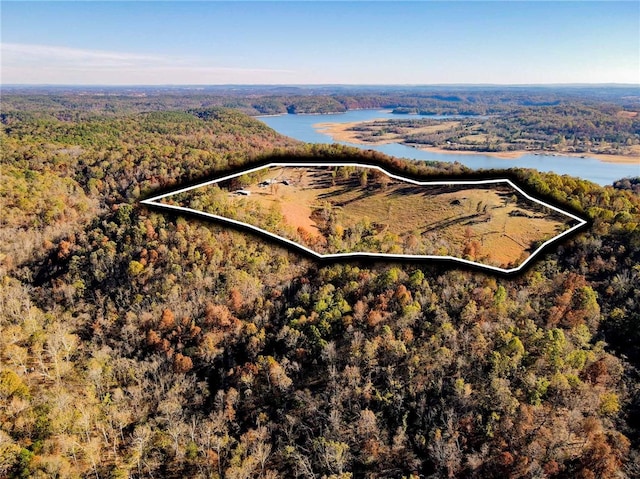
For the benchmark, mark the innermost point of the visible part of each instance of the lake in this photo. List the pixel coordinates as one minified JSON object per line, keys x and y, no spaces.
{"x":301,"y":128}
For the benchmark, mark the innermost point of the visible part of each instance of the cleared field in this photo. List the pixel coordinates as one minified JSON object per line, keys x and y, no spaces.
{"x":354,"y":209}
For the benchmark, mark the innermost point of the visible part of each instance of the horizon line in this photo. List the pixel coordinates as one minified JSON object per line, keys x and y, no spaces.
{"x":411,"y":85}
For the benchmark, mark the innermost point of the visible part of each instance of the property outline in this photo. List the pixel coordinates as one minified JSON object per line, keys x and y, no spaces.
{"x":581,"y":222}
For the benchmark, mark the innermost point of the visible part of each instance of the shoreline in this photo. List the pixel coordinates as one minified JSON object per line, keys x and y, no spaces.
{"x":340,"y":132}
{"x":515,"y":154}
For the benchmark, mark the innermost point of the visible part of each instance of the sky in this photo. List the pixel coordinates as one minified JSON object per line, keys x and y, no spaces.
{"x":210,"y":42}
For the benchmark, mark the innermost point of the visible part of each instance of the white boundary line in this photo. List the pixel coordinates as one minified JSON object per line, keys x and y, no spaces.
{"x":154,"y":202}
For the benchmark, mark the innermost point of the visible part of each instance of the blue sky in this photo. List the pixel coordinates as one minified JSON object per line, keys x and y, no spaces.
{"x":126,"y":43}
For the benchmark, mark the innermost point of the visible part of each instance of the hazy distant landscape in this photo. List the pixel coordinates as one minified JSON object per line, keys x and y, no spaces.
{"x":514,"y":123}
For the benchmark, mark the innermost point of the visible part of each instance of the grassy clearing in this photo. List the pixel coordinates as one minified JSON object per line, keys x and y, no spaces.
{"x":475,"y":139}
{"x":348,"y":210}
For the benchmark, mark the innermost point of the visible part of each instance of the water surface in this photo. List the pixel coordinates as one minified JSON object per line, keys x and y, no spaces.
{"x":301,"y":128}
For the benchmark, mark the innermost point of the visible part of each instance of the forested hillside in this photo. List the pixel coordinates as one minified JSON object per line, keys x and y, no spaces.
{"x":135,"y":343}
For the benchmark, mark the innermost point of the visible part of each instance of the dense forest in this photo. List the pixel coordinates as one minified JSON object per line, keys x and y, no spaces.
{"x":136,"y":343}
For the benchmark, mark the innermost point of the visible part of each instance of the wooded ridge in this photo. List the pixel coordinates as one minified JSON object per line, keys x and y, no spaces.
{"x":139,"y":344}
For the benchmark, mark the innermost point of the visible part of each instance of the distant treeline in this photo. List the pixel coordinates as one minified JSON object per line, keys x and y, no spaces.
{"x":308,"y":100}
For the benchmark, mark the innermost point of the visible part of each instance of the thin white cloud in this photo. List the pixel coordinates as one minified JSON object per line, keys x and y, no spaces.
{"x":64,"y":57}
{"x":47,"y":64}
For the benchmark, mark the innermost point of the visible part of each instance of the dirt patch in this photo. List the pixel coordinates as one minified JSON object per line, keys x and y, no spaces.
{"x":299,"y":215}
